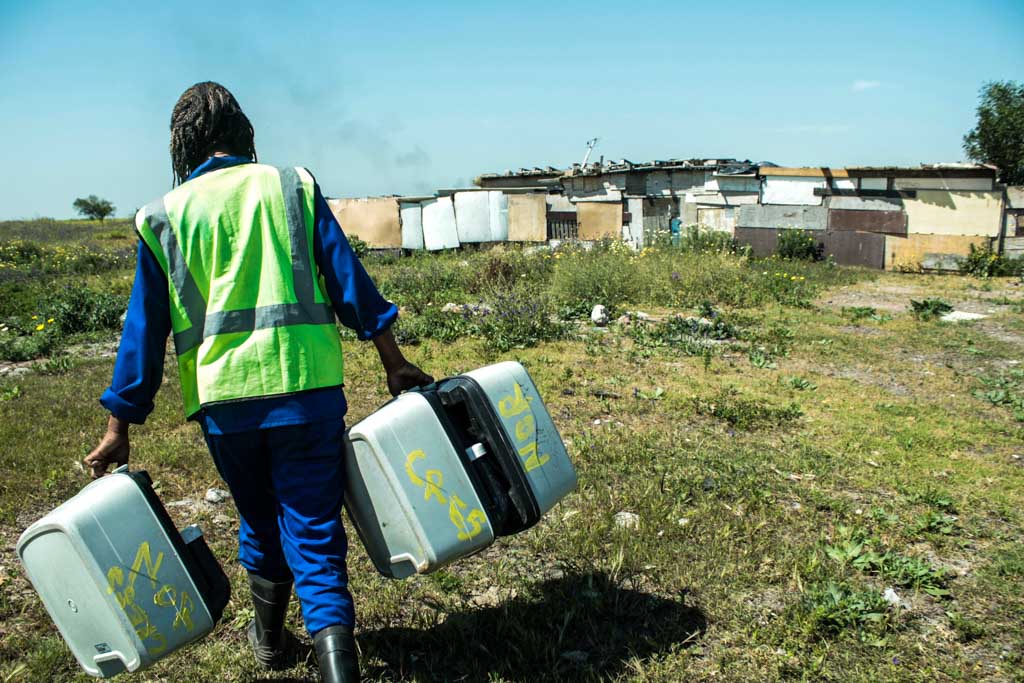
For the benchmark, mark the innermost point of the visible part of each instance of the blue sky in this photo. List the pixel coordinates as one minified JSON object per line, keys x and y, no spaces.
{"x":409,"y":97}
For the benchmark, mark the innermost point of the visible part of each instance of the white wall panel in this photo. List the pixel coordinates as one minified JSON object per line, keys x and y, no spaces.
{"x":439,"y":229}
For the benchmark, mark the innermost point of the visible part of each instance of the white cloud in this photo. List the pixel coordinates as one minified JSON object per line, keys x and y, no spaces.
{"x":862,"y":85}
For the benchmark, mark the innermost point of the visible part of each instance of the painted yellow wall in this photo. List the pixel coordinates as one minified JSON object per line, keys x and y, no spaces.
{"x":909,"y":252}
{"x":598,"y":220}
{"x":527,"y":218}
{"x":374,"y":220}
{"x":941,"y":212}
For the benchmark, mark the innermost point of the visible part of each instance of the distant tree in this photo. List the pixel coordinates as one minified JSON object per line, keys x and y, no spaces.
{"x":94,"y":207}
{"x":998,"y":137}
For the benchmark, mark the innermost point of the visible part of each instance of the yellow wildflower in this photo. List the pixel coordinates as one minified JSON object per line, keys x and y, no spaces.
{"x":39,"y":327}
{"x":49,"y":320}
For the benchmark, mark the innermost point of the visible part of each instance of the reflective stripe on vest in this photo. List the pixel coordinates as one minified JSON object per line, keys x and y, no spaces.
{"x":306,"y":311}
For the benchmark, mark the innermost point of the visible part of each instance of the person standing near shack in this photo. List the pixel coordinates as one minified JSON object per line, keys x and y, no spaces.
{"x":247,"y":267}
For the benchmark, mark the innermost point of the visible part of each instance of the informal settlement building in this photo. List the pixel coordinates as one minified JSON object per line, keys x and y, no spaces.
{"x":924,"y":217}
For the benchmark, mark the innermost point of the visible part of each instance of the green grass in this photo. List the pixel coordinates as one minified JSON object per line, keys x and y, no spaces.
{"x":776,"y":505}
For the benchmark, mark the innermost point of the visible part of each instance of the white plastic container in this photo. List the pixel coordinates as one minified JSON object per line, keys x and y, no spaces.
{"x":123,"y":586}
{"x":436,"y":474}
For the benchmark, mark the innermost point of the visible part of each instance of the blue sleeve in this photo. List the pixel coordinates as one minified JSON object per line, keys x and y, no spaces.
{"x":355,"y":298}
{"x":139,"y":368}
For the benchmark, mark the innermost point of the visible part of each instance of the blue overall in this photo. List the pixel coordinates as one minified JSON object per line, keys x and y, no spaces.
{"x":280,"y":456}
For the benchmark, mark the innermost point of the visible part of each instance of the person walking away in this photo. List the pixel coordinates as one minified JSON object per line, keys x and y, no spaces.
{"x":246,"y":266}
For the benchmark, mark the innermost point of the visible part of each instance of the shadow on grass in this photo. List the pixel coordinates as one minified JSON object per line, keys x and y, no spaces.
{"x":573,"y":628}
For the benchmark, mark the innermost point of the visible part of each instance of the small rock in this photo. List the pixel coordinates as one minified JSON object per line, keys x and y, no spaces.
{"x":597,"y":423}
{"x":640,"y":315}
{"x":796,"y":507}
{"x":451,"y":308}
{"x":555,"y":574}
{"x":683,"y":521}
{"x":624,"y":319}
{"x":893,"y":598}
{"x":709,"y":484}
{"x":627,"y":520}
{"x":488,"y":598}
{"x":19,"y":371}
{"x":222,"y":520}
{"x":575,"y":656}
{"x":183,"y":503}
{"x":216,"y":496}
{"x":599,"y":316}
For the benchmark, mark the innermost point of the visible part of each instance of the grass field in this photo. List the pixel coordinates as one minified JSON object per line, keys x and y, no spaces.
{"x":806,"y":448}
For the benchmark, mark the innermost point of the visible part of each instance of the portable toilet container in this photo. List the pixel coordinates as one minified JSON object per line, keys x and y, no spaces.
{"x":438,"y":473}
{"x":123,"y":586}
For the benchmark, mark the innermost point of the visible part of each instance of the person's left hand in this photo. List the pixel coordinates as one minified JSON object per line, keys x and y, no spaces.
{"x":112,"y":449}
{"x":407,"y":376}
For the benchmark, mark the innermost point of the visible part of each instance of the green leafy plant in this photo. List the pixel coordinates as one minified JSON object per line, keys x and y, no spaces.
{"x":801,"y":384}
{"x":799,"y":245}
{"x":929,"y":309}
{"x":983,"y":262}
{"x":760,"y":358}
{"x":832,"y":608}
{"x":853,"y":547}
{"x":745,"y":413}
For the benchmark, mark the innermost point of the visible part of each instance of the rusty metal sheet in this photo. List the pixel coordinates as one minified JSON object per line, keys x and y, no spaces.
{"x":887,"y":222}
{"x":850,"y":248}
{"x":762,"y":241}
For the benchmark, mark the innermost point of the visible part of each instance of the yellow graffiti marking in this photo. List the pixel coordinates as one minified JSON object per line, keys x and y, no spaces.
{"x":468,"y":525}
{"x":166,"y":597}
{"x":435,"y":480}
{"x":122,"y":587}
{"x":510,"y":406}
{"x":475,"y":517}
{"x":525,"y":428}
{"x":413,"y":477}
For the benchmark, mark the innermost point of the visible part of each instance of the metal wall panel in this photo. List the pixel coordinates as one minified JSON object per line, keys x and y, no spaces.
{"x":937,"y":212}
{"x":864,"y":203}
{"x":497,"y":204}
{"x":439,"y":227}
{"x":527,"y":217}
{"x":762,"y":241}
{"x":723,"y":219}
{"x":850,"y":248}
{"x":967,"y":184}
{"x":888,"y":222}
{"x":473,"y":216}
{"x":412,"y":225}
{"x":791,"y":190}
{"x":803,"y":217}
{"x":913,"y":251}
{"x":599,"y":220}
{"x":374,"y":220}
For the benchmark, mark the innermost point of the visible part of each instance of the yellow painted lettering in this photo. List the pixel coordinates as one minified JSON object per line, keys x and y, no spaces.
{"x":475,"y":517}
{"x":143,"y":556}
{"x":525,"y":427}
{"x":409,"y":470}
{"x":435,"y":480}
{"x":514,"y":404}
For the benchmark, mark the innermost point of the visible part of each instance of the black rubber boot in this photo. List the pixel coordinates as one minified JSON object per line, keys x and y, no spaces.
{"x":336,"y":654}
{"x":267,"y":634}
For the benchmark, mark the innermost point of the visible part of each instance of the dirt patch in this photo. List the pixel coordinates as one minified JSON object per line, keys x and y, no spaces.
{"x":869,"y":377}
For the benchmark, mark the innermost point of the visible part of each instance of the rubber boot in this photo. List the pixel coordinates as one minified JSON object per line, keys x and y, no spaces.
{"x":336,"y":654}
{"x":267,"y":634}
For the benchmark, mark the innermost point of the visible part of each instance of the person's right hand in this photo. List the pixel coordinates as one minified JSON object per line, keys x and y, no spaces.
{"x":407,"y":376}
{"x":112,"y":449}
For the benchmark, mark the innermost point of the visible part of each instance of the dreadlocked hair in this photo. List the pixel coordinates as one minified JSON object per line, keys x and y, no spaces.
{"x":207,"y":119}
